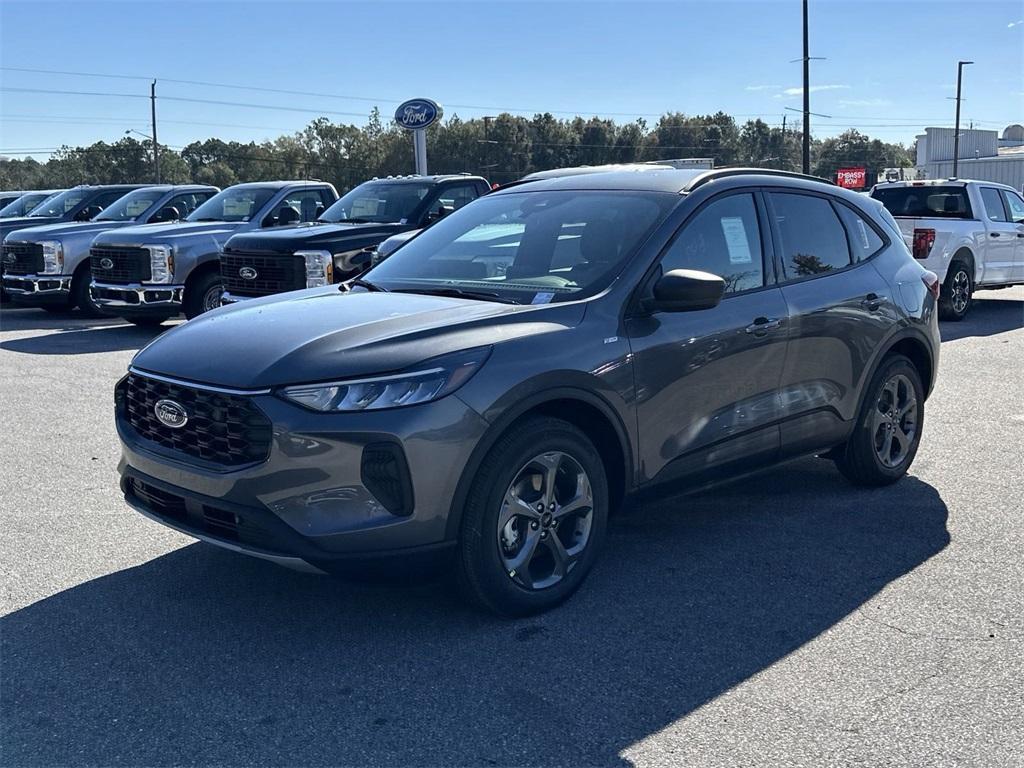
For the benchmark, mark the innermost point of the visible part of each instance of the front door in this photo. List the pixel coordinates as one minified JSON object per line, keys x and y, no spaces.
{"x":1000,"y":240}
{"x":707,"y":381}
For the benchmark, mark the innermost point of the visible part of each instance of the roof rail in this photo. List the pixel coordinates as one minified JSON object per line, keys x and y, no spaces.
{"x":721,"y":173}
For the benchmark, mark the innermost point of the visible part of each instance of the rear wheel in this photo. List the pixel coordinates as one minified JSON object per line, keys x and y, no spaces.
{"x":535,"y":519}
{"x":203,"y":294}
{"x":888,"y":432}
{"x":957,"y":292}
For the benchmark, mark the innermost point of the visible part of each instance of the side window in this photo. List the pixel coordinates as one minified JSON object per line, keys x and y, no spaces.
{"x":297,"y":207}
{"x":864,"y":241}
{"x":106,"y":198}
{"x":813,"y":238}
{"x":724,"y":239}
{"x":1015,"y":204}
{"x":453,"y":197}
{"x":187,"y":202}
{"x":993,"y":203}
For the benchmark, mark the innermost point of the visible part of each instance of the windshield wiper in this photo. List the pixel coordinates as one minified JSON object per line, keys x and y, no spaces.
{"x":365,"y":284}
{"x":459,"y":293}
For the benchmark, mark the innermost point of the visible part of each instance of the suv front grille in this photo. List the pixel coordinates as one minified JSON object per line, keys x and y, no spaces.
{"x":223,"y":429}
{"x":274,"y":274}
{"x":127,"y":265}
{"x":28,"y":258}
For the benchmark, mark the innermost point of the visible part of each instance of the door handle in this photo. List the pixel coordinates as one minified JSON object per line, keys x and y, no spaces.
{"x":993,"y":234}
{"x":762,"y":325}
{"x":1020,"y":234}
{"x":872,"y":301}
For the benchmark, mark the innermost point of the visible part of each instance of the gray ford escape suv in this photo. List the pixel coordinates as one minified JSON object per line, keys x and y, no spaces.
{"x":497,"y":386}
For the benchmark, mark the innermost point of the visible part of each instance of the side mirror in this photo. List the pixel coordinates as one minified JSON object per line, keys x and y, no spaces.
{"x":686,"y":290}
{"x":88,"y":212}
{"x":168,"y":213}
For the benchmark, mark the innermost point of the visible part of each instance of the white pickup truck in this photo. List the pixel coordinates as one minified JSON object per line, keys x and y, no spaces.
{"x":969,"y":233}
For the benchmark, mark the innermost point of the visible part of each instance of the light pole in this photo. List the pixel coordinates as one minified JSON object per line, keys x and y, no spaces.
{"x":956,"y":131}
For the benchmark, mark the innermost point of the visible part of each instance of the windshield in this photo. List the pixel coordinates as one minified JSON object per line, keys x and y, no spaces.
{"x":925,"y":201}
{"x":131,"y":206}
{"x":62,"y":203}
{"x":378,"y":201}
{"x":25,"y":203}
{"x":233,"y":204}
{"x":528,"y":247}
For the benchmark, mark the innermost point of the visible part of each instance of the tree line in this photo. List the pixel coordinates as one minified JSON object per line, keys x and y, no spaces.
{"x":502,"y":148}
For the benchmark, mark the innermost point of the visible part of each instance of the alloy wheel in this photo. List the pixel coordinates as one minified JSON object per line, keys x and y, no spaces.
{"x":211,"y":299}
{"x":960,"y":291}
{"x":545,"y":520}
{"x":894,"y":421}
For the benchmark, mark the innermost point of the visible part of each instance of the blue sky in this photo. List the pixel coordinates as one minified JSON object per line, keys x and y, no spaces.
{"x":890,"y":67}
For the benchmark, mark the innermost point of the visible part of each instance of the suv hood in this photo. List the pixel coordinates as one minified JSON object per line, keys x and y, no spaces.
{"x":310,"y":236}
{"x":323,"y":334}
{"x":50,"y":231}
{"x":162,"y":233}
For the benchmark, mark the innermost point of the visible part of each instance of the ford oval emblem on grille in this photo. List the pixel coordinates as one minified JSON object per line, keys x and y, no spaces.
{"x":170,"y":414}
{"x":10,"y":258}
{"x":247,"y":273}
{"x":106,"y":263}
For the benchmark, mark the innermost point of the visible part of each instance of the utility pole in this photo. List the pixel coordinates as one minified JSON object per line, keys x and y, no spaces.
{"x":956,"y":131}
{"x":156,"y":147}
{"x":783,"y":161}
{"x":807,"y":99}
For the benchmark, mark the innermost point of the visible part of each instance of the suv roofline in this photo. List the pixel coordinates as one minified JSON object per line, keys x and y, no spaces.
{"x":722,"y":173}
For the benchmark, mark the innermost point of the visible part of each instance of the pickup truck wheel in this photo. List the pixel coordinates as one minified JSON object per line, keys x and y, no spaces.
{"x":888,"y":432}
{"x":534,"y":520}
{"x":81,"y":295}
{"x":955,"y":299}
{"x":203,"y":295}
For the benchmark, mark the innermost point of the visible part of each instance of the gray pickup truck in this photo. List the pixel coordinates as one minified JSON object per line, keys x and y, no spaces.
{"x":149,"y":274}
{"x":68,"y":244}
{"x":24,"y":202}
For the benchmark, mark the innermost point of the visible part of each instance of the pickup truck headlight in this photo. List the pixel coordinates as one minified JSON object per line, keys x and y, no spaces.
{"x":53,"y":257}
{"x":319,"y":268}
{"x":430,"y":380}
{"x":161,"y":263}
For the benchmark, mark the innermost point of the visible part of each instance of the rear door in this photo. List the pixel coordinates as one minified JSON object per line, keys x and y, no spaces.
{"x":840,"y":311}
{"x":1015,"y":209}
{"x":1000,"y":239}
{"x":707,"y":381}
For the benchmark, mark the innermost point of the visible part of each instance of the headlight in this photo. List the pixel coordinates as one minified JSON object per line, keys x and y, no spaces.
{"x":431,"y":380}
{"x":319,"y":268}
{"x":161,"y":263}
{"x":53,"y":258}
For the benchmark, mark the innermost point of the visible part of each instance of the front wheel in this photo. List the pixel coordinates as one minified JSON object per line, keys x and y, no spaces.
{"x":535,"y":519}
{"x":957,"y":293}
{"x":203,"y":295}
{"x":82,"y":296}
{"x":888,"y":432}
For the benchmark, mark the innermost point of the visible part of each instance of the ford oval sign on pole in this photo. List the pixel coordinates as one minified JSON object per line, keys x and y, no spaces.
{"x":417,"y":115}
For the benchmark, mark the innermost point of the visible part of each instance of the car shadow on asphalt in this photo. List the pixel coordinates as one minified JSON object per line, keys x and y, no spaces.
{"x":75,"y":335}
{"x":987,"y":317}
{"x":204,"y":657}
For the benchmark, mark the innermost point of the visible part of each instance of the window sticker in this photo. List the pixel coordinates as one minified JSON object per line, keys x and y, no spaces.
{"x":544,"y":297}
{"x":736,"y":240}
{"x":863,"y":234}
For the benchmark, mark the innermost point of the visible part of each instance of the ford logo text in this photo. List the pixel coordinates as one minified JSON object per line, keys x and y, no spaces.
{"x":247,"y":273}
{"x":170,"y":414}
{"x":106,"y":263}
{"x":418,"y":113}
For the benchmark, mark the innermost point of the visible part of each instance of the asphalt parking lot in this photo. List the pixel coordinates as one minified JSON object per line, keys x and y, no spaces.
{"x":787,"y":619}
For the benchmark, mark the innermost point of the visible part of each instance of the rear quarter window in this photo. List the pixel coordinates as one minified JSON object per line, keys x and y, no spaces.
{"x":925,"y":202}
{"x":865,"y":242}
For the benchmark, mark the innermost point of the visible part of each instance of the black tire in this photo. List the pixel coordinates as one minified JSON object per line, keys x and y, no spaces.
{"x":199,"y":292}
{"x":481,"y":570}
{"x":860,"y":459}
{"x":81,"y":295}
{"x":953,"y":305}
{"x":146,"y":321}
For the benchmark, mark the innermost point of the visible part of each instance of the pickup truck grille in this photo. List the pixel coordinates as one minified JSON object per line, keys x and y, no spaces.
{"x":28,"y":258}
{"x":127,"y":265}
{"x":223,"y":429}
{"x":274,"y":274}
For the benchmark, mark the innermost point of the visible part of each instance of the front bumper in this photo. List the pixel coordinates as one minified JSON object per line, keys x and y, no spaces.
{"x":137,"y":298}
{"x":37,"y":289}
{"x":310,"y":502}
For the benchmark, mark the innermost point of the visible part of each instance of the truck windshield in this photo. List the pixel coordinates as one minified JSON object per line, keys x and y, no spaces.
{"x":526,"y":247}
{"x":24,"y":204}
{"x":131,"y":206}
{"x":925,"y":201}
{"x":62,"y":203}
{"x":233,"y":204}
{"x":378,"y":201}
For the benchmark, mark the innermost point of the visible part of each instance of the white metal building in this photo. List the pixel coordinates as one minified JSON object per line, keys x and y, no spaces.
{"x":984,"y":155}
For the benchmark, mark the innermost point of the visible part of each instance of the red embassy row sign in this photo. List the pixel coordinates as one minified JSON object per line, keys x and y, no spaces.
{"x":851,"y":178}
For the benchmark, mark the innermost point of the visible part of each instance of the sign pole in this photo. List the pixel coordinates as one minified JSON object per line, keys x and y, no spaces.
{"x":419,"y":142}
